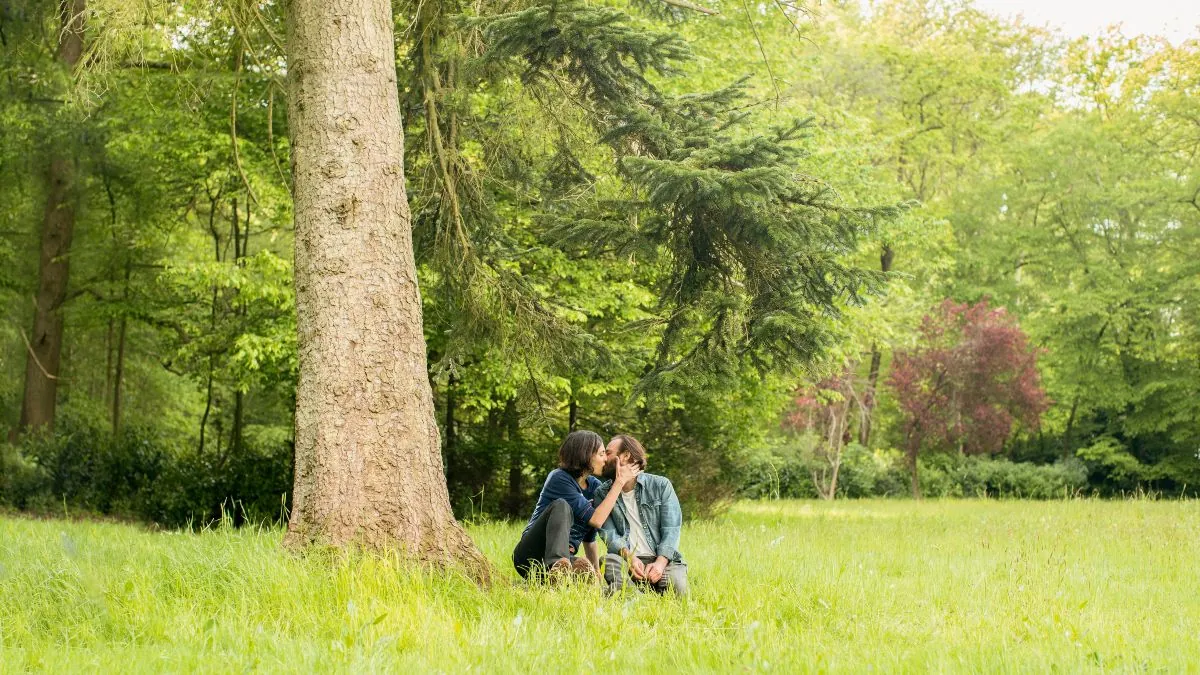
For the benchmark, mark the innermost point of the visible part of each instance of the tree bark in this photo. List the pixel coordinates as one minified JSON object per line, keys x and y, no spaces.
{"x":911,"y":455}
{"x":208,"y":399}
{"x":235,"y":432}
{"x":886,"y":256}
{"x":108,"y":364}
{"x":239,"y":252}
{"x":1067,"y":447}
{"x":119,"y":372}
{"x":368,"y":458}
{"x":118,"y":376}
{"x":44,"y":351}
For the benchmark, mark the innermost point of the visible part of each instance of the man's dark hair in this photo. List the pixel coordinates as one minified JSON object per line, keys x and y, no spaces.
{"x":630,"y":446}
{"x":575,"y":453}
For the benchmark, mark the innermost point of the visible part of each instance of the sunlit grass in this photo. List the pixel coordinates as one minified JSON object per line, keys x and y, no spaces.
{"x":780,"y":586}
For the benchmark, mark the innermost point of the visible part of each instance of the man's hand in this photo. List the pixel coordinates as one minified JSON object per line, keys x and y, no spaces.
{"x":654,"y":572}
{"x":626,"y":474}
{"x":637,"y":568}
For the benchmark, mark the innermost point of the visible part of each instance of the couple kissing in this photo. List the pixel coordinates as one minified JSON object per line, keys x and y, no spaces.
{"x":636,"y":513}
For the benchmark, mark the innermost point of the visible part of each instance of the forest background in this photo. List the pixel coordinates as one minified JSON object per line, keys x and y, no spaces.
{"x":1007,"y":214}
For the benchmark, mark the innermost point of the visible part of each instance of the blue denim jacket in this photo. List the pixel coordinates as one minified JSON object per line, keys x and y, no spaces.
{"x":661,"y":517}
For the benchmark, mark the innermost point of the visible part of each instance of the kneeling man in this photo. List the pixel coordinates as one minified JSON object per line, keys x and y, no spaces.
{"x":643,"y":529}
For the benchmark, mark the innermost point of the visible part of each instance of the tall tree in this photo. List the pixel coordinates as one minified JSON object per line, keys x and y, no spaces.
{"x":44,"y":346}
{"x":368,"y":462}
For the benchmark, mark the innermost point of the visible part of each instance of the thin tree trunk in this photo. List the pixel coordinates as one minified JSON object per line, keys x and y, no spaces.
{"x":886,"y":256}
{"x":108,"y":364}
{"x":838,"y":441}
{"x":368,"y":460}
{"x":514,"y":503}
{"x":1067,"y":441}
{"x":451,"y":403}
{"x":208,"y":396}
{"x":212,"y":321}
{"x":833,"y":482}
{"x":239,"y":252}
{"x":119,"y":372}
{"x":116,"y":253}
{"x":118,"y":375}
{"x":912,"y":467}
{"x":572,"y":414}
{"x":235,"y":434}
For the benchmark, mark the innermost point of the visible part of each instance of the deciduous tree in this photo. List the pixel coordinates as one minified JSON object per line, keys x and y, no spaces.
{"x":971,"y":378}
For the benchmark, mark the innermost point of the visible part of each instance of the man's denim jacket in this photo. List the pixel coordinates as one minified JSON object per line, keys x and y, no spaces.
{"x":659,"y":509}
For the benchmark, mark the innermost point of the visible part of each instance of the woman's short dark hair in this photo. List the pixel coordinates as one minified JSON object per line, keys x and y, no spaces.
{"x":630,"y":445}
{"x":575,"y":453}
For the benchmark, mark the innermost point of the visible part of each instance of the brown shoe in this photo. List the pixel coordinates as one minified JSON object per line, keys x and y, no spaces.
{"x":559,"y":571}
{"x":582,"y":567}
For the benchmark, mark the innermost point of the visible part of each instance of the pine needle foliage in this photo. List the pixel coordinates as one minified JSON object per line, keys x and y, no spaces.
{"x":752,"y":253}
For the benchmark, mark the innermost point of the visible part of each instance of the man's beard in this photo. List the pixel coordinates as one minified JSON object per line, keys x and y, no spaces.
{"x":610,"y":470}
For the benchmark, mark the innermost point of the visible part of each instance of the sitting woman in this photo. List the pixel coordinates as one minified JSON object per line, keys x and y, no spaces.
{"x":564,"y":517}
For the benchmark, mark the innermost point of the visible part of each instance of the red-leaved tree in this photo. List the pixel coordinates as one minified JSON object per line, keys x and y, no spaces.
{"x":969,"y":381}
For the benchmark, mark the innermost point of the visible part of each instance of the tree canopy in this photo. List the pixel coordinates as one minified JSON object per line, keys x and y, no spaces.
{"x":631,"y":217}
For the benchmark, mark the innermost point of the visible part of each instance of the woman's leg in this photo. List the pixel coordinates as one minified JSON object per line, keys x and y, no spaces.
{"x":546,"y":541}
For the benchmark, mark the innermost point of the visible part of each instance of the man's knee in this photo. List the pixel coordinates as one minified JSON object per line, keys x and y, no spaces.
{"x":612,"y":568}
{"x":676,"y":578}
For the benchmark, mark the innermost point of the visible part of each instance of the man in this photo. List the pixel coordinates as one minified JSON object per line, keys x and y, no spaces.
{"x":642,"y":532}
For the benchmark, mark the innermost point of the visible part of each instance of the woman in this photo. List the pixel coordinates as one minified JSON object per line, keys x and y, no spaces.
{"x":564,"y":518}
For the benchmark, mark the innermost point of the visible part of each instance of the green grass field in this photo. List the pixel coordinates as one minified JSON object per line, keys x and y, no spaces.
{"x":897,"y":586}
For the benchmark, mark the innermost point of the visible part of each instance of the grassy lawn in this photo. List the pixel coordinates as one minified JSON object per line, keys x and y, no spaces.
{"x":955,"y":586}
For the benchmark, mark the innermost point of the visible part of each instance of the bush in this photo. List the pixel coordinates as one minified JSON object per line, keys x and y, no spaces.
{"x":985,"y":477}
{"x":88,"y":470}
{"x":775,"y":476}
{"x":871,"y":473}
{"x":142,"y":475}
{"x":20,"y":480}
{"x":783,"y":473}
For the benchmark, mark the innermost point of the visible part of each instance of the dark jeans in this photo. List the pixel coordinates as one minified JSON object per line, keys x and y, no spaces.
{"x":547,"y":540}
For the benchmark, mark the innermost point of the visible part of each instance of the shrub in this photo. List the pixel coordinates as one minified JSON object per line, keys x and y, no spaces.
{"x":142,"y":475}
{"x":871,"y":473}
{"x":881,"y":473}
{"x":1003,"y":478}
{"x":20,"y":480}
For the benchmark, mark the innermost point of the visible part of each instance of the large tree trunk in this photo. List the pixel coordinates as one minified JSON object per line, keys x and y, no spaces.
{"x":886,"y":256}
{"x":368,"y":461}
{"x":44,"y":348}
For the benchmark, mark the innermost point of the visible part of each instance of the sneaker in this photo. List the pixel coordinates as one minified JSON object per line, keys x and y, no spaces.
{"x":582,"y":567}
